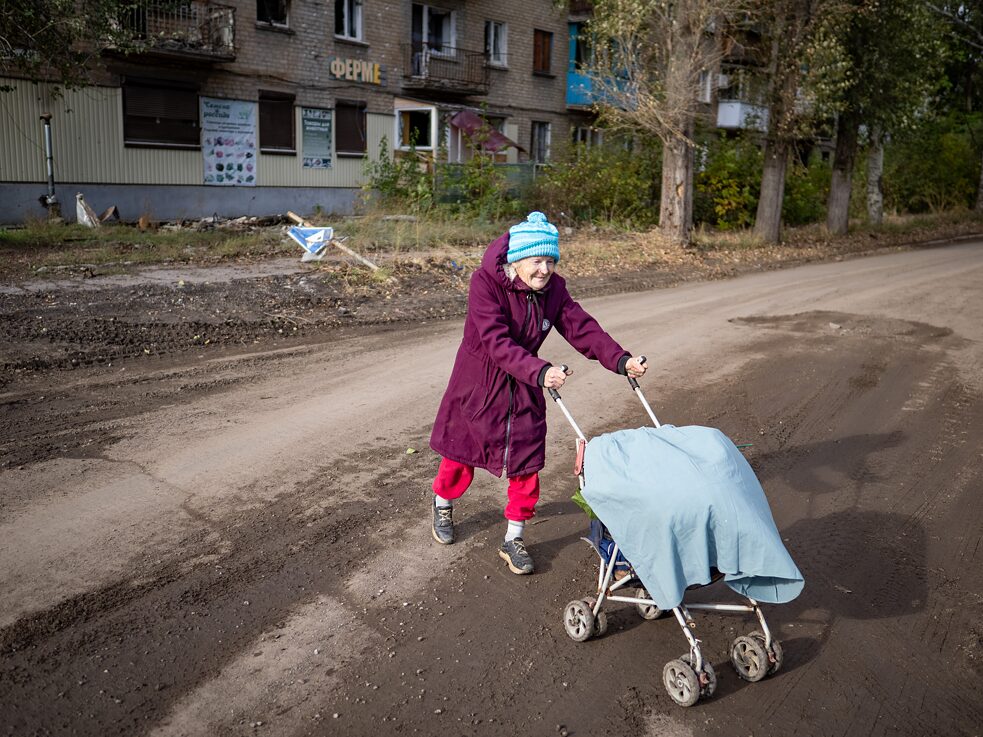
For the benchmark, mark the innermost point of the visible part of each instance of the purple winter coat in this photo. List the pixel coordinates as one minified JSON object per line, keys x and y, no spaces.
{"x":493,"y":414}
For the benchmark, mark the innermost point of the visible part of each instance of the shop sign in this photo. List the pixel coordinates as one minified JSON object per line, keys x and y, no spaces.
{"x":228,"y":142}
{"x":316,"y":143}
{"x":356,"y":70}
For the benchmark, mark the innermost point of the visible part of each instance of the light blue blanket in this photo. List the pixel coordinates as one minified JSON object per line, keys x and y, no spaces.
{"x":679,"y":500}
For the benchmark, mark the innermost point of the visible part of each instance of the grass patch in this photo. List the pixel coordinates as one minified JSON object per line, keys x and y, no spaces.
{"x":46,"y":245}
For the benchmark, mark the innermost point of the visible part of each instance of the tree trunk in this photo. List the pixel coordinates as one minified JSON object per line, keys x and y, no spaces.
{"x":979,"y":191}
{"x":875,"y":175}
{"x":676,"y":205}
{"x":838,"y":203}
{"x":768,"y":220}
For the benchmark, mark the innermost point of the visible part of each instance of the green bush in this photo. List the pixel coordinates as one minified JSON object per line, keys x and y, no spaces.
{"x":727,"y":187}
{"x":610,"y":182}
{"x":806,"y":190}
{"x":400,"y":181}
{"x":935,"y":166}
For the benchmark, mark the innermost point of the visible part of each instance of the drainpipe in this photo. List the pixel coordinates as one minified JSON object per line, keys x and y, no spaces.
{"x":49,"y":200}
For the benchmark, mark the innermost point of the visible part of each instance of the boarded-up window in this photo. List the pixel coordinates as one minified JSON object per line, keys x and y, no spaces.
{"x":542,"y":51}
{"x":276,"y":122}
{"x":160,"y":113}
{"x":350,"y":135}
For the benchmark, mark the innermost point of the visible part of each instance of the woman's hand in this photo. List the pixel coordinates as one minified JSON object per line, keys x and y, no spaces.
{"x":555,"y":377}
{"x":635,"y":368}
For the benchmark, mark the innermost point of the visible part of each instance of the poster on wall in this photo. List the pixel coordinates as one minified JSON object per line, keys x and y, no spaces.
{"x":228,"y":142}
{"x":316,"y":144}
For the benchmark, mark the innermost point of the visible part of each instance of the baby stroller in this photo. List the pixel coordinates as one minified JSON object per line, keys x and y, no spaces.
{"x":689,"y":677}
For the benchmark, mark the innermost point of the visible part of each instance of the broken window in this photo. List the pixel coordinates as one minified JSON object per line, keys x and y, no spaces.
{"x":163,"y":113}
{"x":273,"y":12}
{"x":276,"y":122}
{"x":415,"y":128}
{"x":350,"y":127}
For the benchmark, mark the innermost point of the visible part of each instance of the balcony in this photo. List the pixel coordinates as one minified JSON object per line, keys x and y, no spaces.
{"x":184,"y":30}
{"x":447,"y":69}
{"x":579,"y":93}
{"x":737,"y":114}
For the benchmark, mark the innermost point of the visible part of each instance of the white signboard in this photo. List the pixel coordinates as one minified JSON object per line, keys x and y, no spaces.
{"x":228,"y":141}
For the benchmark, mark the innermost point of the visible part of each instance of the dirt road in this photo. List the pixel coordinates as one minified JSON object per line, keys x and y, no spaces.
{"x":239,"y":543}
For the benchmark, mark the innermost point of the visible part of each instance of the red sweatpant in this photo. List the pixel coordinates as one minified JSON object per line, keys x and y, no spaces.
{"x":454,"y":478}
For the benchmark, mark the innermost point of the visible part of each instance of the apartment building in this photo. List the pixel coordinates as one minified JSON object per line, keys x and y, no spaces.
{"x":254,"y":107}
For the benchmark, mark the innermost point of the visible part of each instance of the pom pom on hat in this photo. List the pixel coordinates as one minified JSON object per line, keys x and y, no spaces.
{"x":533,"y":237}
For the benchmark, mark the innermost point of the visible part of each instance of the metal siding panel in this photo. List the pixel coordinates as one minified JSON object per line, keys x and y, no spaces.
{"x":87,"y":136}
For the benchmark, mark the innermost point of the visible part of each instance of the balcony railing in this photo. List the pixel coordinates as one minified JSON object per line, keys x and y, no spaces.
{"x":198,"y":28}
{"x":444,"y":69}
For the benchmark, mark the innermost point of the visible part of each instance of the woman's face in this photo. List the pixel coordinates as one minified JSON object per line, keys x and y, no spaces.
{"x":535,"y":271}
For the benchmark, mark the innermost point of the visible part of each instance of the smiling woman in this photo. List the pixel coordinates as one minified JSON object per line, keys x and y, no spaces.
{"x":493,"y":413}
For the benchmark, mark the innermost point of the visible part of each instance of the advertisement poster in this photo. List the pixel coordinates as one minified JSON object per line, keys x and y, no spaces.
{"x":228,"y":141}
{"x":316,"y":144}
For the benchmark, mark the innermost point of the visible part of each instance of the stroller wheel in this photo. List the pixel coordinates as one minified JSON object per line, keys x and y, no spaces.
{"x":708,"y":678}
{"x":775,"y":655}
{"x":749,"y":658}
{"x":647,"y":611}
{"x":600,"y":620}
{"x":681,"y":682}
{"x":578,"y":620}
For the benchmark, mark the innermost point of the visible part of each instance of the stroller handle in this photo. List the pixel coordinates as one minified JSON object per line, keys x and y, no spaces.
{"x":633,"y":383}
{"x":566,"y":413}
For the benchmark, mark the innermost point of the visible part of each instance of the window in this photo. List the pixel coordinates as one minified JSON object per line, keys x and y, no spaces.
{"x":433,"y":28}
{"x":415,"y":128}
{"x":587,"y":135}
{"x":348,"y":19}
{"x":581,"y":54}
{"x":350,"y":135}
{"x":540,"y":148}
{"x":162,"y":113}
{"x":273,"y":12}
{"x":276,"y":122}
{"x":496,"y":43}
{"x":542,"y":50}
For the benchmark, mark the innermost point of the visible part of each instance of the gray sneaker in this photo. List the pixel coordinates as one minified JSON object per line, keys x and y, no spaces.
{"x":443,"y":524}
{"x":514,"y":553}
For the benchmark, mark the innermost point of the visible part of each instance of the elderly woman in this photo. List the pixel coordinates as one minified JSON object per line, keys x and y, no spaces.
{"x":493,"y":414}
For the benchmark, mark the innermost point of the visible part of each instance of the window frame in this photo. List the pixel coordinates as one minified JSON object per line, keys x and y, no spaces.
{"x":425,"y":41}
{"x":285,"y":23}
{"x":348,"y":6}
{"x":535,"y":140}
{"x":360,"y":108}
{"x":503,"y":61}
{"x":434,"y":132}
{"x":542,"y":61}
{"x":175,"y":142}
{"x":277,"y":99}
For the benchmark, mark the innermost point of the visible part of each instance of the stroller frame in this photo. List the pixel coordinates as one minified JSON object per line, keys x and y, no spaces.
{"x":689,"y":677}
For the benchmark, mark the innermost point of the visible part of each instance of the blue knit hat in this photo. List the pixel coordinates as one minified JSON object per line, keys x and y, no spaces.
{"x":533,"y":237}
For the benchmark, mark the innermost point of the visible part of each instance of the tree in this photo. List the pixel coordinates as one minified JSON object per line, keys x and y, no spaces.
{"x":793,"y":31}
{"x":964,"y":68}
{"x":55,"y":40}
{"x":892,"y":53}
{"x":646,"y":76}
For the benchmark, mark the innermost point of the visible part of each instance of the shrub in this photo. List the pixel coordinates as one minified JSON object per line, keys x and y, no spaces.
{"x":727,"y":188}
{"x":935,"y":166}
{"x":806,"y":190}
{"x":611,"y":182}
